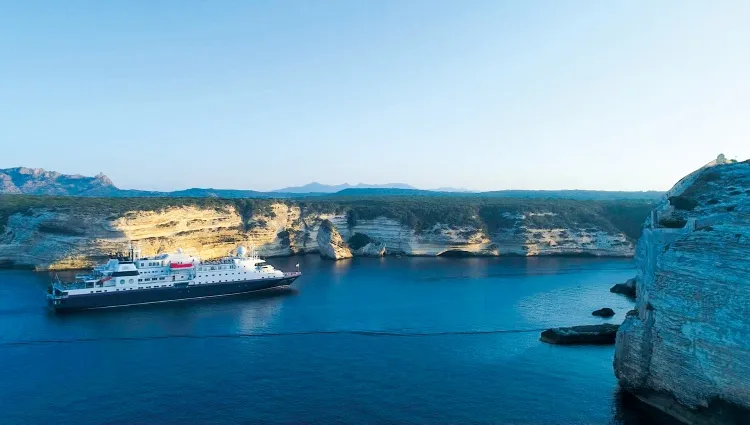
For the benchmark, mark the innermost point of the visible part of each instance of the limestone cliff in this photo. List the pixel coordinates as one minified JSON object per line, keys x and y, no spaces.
{"x":330,"y":244}
{"x":63,"y":233}
{"x":685,"y":349}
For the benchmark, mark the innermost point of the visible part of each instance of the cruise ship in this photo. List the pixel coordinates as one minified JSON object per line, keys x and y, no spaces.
{"x":134,"y":280}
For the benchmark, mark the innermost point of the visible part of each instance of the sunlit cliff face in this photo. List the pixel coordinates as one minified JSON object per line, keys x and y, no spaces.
{"x":60,"y":238}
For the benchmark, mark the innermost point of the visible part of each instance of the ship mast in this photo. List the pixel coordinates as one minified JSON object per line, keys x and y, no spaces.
{"x":134,"y":249}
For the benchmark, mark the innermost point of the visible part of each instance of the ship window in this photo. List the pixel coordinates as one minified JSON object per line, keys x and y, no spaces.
{"x":131,"y":281}
{"x":140,"y":280}
{"x":122,"y":281}
{"x":161,"y":278}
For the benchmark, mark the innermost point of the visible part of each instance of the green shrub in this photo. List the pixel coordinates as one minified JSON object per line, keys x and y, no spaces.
{"x":673,"y":223}
{"x":58,"y":229}
{"x":683,"y":202}
{"x":419,"y":213}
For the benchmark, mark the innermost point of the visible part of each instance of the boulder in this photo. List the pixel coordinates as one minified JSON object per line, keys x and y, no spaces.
{"x":372,"y":249}
{"x":603,"y":334}
{"x":603,"y":312}
{"x":330,"y":243}
{"x":626,"y":288}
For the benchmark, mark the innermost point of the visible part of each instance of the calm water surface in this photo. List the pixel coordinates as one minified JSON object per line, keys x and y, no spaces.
{"x":410,"y":340}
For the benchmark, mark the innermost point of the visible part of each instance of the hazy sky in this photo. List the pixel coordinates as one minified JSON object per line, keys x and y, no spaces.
{"x":616,"y":95}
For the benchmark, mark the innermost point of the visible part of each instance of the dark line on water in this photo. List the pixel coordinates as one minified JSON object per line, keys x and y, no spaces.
{"x":263,"y":335}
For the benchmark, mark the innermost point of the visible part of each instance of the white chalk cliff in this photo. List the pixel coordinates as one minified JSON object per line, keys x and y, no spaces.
{"x":330,"y":244}
{"x":70,"y":234}
{"x":685,"y":349}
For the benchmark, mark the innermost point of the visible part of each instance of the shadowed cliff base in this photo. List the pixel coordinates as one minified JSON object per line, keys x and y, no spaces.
{"x":630,"y":410}
{"x":458,"y":253}
{"x":718,"y":412}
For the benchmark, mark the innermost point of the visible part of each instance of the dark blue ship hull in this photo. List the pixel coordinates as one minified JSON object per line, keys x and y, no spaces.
{"x":168,"y":294}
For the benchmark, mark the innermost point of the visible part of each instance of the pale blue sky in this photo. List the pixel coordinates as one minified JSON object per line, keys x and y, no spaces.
{"x":616,"y":95}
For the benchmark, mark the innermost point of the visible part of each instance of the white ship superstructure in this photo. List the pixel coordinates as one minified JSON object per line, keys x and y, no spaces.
{"x":167,"y":277}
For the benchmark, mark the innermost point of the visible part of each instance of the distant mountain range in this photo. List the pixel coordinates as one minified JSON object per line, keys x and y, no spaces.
{"x":316,"y":187}
{"x":37,"y":181}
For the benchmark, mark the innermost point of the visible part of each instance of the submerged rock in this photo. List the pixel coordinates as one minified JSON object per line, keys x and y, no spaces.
{"x":603,"y":312}
{"x":626,"y":288}
{"x":685,"y":348}
{"x":589,"y":334}
{"x":330,"y":243}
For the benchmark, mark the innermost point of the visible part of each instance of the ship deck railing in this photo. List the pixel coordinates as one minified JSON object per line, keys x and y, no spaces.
{"x":64,"y":286}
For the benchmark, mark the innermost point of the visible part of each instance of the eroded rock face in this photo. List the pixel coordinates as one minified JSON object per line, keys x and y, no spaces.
{"x":685,"y":349}
{"x":330,"y":243}
{"x":77,"y":237}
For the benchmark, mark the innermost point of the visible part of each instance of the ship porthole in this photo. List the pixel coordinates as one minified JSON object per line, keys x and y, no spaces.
{"x":122,"y":281}
{"x":131,"y":281}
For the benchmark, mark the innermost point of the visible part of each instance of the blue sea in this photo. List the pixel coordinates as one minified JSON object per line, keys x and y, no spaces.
{"x":366,"y":341}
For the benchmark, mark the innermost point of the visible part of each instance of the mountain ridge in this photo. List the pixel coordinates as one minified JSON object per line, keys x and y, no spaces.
{"x":38,"y":181}
{"x":316,"y":187}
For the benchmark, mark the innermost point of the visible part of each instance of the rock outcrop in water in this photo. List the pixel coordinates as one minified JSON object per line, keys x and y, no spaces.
{"x":603,"y":312}
{"x":603,"y":334}
{"x":626,"y":288}
{"x":685,"y":349}
{"x":330,"y":244}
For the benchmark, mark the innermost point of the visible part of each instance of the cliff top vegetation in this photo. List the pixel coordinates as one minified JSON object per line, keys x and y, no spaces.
{"x":420,"y":213}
